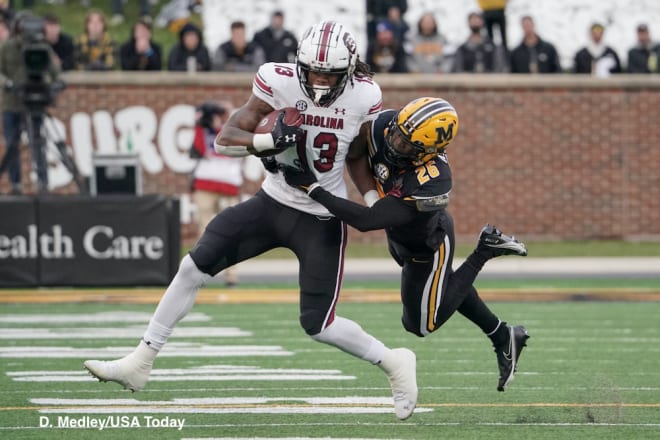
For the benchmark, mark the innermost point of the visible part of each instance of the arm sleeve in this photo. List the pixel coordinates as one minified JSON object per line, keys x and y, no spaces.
{"x":387,"y":212}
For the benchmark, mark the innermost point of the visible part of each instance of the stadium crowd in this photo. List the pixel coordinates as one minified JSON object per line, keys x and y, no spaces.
{"x":393,"y":45}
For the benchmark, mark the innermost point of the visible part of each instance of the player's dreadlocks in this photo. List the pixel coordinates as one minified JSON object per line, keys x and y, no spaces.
{"x":362,"y":69}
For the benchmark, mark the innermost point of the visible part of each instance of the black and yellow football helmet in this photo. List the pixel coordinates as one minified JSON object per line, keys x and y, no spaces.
{"x":419,"y":131}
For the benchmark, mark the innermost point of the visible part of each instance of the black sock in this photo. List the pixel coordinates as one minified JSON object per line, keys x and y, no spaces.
{"x":500,"y":335}
{"x":465,"y":275}
{"x":479,"y":257}
{"x":474,"y":309}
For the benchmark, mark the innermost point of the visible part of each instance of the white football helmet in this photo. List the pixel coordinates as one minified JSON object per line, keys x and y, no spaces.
{"x":326,"y":47}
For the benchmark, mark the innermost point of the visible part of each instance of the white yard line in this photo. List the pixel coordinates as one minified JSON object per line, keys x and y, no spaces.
{"x":132,"y":332}
{"x":92,"y":318}
{"x":175,"y":349}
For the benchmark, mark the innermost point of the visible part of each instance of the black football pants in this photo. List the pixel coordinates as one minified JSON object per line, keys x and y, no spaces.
{"x":431,"y":291}
{"x":260,"y":224}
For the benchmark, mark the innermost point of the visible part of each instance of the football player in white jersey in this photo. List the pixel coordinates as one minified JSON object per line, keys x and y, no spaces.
{"x":337,"y":98}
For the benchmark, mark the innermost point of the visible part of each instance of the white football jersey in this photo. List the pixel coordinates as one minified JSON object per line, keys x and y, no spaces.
{"x":330,"y":130}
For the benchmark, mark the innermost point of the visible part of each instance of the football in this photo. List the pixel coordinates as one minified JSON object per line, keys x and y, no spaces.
{"x":291,"y":115}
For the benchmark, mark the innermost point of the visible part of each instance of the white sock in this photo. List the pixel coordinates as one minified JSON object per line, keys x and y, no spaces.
{"x":388,"y":363}
{"x":348,"y":336}
{"x":176,"y":303}
{"x":144,"y":353}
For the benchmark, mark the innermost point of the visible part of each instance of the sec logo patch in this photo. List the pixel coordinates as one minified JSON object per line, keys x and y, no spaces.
{"x":381,"y":171}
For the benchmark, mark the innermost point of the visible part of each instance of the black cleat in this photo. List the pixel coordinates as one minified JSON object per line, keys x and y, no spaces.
{"x":499,"y":244}
{"x":508,"y":354}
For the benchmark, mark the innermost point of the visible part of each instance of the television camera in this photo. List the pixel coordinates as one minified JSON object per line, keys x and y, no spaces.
{"x":38,"y":91}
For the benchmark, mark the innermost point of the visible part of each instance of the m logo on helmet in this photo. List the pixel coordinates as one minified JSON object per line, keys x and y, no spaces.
{"x":444,"y":136}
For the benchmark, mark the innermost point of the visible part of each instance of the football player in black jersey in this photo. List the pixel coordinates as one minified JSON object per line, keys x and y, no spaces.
{"x":407,"y":155}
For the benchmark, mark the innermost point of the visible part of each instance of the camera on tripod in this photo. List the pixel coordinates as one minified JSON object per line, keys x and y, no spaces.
{"x":38,"y":93}
{"x":31,"y":89}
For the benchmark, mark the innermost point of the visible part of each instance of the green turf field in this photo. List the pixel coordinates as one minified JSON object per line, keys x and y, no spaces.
{"x":591,"y":370}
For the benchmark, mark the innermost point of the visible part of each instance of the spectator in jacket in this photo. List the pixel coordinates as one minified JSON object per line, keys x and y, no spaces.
{"x":379,"y":10}
{"x":596,"y":57}
{"x":189,"y":54}
{"x":279,"y":45}
{"x":94,"y":49}
{"x":428,"y":47}
{"x":399,"y":26}
{"x":140,"y":52}
{"x":643,"y":57}
{"x":478,"y":54}
{"x":237,"y":54}
{"x":386,"y":53}
{"x":217,"y":180}
{"x":61,"y":43}
{"x":533,"y":55}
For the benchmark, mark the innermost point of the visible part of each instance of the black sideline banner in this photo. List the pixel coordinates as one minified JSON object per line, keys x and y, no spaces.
{"x":114,"y":240}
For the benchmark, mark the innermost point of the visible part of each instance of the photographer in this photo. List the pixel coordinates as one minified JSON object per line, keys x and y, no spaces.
{"x":27,"y":70}
{"x":217,"y":179}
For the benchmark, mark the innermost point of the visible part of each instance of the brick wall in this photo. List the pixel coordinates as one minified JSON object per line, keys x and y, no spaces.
{"x":561,"y":157}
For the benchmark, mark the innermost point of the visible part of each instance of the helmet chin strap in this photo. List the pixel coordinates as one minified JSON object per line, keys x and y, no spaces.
{"x":320,"y":92}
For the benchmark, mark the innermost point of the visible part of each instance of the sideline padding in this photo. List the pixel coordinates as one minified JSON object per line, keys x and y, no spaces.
{"x":284,"y":296}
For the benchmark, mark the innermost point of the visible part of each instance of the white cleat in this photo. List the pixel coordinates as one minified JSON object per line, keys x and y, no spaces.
{"x":400,"y":366}
{"x":131,"y":372}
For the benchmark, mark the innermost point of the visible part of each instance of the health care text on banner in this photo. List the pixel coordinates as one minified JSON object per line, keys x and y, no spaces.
{"x":88,"y":241}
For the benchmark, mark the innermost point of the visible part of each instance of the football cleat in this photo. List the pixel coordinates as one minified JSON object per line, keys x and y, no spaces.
{"x":131,"y":372}
{"x":492,"y":239}
{"x":400,"y":366}
{"x":509,"y":353}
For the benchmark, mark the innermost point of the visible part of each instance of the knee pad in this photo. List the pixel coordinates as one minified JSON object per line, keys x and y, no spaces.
{"x":311,"y":321}
{"x":189,"y":271}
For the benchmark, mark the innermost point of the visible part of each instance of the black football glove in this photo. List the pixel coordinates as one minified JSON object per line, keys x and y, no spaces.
{"x":301,"y":178}
{"x":284,"y":135}
{"x":270,"y":163}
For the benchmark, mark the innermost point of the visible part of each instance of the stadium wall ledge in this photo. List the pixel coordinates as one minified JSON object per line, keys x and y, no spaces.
{"x":398,"y":81}
{"x":554,"y":157}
